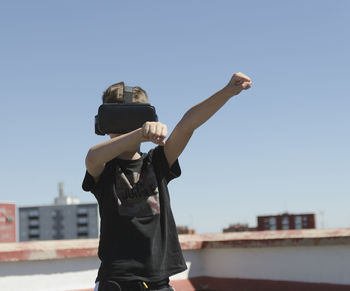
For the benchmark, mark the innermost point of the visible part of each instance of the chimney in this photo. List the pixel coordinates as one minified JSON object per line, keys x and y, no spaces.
{"x":60,"y":189}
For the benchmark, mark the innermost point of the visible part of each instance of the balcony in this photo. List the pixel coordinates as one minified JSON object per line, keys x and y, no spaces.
{"x":294,"y":260}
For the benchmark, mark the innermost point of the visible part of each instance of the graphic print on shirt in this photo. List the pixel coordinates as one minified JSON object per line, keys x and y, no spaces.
{"x":137,"y":194}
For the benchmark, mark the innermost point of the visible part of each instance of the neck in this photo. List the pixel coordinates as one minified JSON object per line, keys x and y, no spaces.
{"x":128,"y":155}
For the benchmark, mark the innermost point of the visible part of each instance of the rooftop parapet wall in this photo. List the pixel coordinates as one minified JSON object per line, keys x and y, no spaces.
{"x":298,"y":260}
{"x":276,"y":238}
{"x":61,"y":249}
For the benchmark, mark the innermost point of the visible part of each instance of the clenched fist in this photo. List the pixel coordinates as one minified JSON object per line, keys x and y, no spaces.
{"x":154,"y":132}
{"x":238,"y":82}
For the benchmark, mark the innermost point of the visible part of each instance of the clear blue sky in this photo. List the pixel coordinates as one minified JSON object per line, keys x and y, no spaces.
{"x":281,"y":146}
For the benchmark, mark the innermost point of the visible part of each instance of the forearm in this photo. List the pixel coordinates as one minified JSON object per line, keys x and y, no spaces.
{"x":102,"y":153}
{"x":200,"y":113}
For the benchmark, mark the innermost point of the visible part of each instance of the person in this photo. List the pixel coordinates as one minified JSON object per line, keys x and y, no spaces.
{"x":139,"y":247}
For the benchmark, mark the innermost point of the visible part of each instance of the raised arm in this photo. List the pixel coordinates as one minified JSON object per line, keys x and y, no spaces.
{"x":199,"y":114}
{"x":103,"y":152}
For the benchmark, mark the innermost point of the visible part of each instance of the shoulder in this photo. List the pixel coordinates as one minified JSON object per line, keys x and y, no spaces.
{"x":157,"y":158}
{"x":95,"y":183}
{"x":155,"y":155}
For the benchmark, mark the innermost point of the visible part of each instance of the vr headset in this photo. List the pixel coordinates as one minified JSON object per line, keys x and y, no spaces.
{"x":123,"y":117}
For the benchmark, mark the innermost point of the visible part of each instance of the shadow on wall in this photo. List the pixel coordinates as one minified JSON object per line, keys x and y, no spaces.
{"x":226,"y":284}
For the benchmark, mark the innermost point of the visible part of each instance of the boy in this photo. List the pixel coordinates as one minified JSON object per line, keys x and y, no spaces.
{"x":139,"y":247}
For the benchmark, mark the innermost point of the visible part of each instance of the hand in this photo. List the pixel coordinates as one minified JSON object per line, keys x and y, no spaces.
{"x":154,"y":132}
{"x":238,"y":82}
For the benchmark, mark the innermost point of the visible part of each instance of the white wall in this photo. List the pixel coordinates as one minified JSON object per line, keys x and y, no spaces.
{"x":321,"y":264}
{"x":53,"y":275}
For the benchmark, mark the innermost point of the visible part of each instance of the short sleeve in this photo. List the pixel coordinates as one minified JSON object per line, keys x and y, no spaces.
{"x":161,"y":165}
{"x":89,"y":184}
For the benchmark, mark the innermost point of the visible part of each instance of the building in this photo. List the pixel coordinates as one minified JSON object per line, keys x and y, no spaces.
{"x":184,"y":230}
{"x":238,"y":227}
{"x":63,"y":199}
{"x":7,"y":222}
{"x":286,"y":221}
{"x":65,"y":219}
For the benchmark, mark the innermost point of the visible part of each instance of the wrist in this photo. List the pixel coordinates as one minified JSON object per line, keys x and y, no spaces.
{"x":139,"y":133}
{"x":229,"y":92}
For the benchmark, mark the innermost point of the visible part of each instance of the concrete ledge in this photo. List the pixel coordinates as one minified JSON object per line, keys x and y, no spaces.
{"x":48,"y":250}
{"x":277,"y":238}
{"x":61,"y":249}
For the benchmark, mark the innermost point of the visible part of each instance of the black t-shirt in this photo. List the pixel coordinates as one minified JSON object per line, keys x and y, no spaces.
{"x":138,"y":237}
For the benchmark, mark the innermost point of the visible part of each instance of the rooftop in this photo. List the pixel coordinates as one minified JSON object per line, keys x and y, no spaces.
{"x":305,"y":259}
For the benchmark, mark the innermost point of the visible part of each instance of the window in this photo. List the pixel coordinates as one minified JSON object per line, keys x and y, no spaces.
{"x":34,"y":213}
{"x":266,"y":223}
{"x":83,"y":229}
{"x":34,"y":234}
{"x":298,"y":222}
{"x":273,"y":225}
{"x":285,"y":222}
{"x":82,"y":211}
{"x":82,"y":221}
{"x":33,"y":224}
